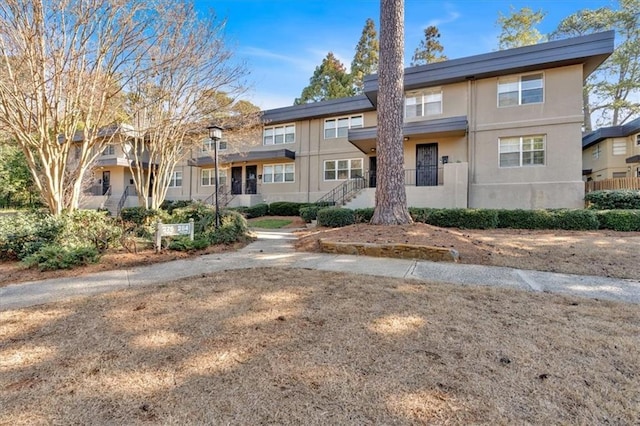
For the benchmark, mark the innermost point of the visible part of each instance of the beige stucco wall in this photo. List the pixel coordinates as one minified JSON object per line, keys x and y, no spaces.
{"x":557,"y":183}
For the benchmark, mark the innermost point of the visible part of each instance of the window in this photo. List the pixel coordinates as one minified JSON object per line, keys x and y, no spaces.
{"x":595,"y":152}
{"x":342,"y":169}
{"x":619,"y":147}
{"x":619,"y":175}
{"x":176,"y":180}
{"x":278,"y":173}
{"x":522,"y":151}
{"x":279,"y":134}
{"x":109,"y":150}
{"x":423,"y":103}
{"x":208,"y":177}
{"x":208,"y":145}
{"x":637,"y":139}
{"x":338,"y":127}
{"x":526,"y":89}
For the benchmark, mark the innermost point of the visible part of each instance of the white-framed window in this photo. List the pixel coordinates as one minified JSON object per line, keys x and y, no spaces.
{"x":619,"y":175}
{"x":638,"y":139}
{"x":109,"y":150}
{"x":176,"y":180}
{"x":339,"y":127}
{"x":422,"y":103}
{"x":521,"y":90}
{"x":208,"y":145}
{"x":276,"y":135}
{"x":343,"y":169}
{"x":619,"y":147}
{"x":278,"y":173}
{"x":521,"y":151}
{"x":595,"y":152}
{"x":208,"y":177}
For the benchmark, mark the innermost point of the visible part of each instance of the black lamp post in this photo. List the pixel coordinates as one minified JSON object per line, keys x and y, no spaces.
{"x":215,"y":133}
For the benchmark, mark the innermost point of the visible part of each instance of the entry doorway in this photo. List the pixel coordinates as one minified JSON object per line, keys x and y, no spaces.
{"x":236,"y":180}
{"x":427,"y":164}
{"x":106,"y":181}
{"x":252,"y":179}
{"x":373,"y":166}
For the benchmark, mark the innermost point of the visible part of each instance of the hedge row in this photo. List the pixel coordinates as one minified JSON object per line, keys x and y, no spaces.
{"x":625,"y":199}
{"x":579,"y":219}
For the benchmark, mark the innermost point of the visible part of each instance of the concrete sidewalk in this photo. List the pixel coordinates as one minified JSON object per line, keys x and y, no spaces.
{"x":275,"y":249}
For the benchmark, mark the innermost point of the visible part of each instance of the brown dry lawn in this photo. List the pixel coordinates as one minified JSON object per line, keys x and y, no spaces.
{"x":602,"y":253}
{"x":264,"y":346}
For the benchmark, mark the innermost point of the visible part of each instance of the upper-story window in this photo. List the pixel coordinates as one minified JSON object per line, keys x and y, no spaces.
{"x":619,"y":147}
{"x":595,"y":152}
{"x":109,"y":150}
{"x":521,"y":90}
{"x":275,"y":135}
{"x":638,"y":139}
{"x":208,"y":145}
{"x":423,"y":103}
{"x":339,"y":127}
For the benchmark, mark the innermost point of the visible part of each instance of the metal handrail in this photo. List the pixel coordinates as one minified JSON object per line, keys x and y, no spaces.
{"x":123,"y":199}
{"x":342,"y":193}
{"x":224,"y":196}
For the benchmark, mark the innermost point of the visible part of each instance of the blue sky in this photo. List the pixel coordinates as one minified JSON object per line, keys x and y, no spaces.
{"x":282,"y":41}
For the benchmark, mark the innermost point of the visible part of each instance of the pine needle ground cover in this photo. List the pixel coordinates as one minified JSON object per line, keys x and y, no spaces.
{"x":290,"y":346}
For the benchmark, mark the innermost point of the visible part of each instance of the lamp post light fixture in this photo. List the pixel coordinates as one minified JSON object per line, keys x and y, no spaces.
{"x":215,"y":133}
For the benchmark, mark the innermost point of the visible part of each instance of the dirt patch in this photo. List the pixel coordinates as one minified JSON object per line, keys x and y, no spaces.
{"x":264,"y":346}
{"x":602,"y":253}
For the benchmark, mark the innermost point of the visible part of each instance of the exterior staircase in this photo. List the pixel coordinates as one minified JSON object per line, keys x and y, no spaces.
{"x":343,"y":193}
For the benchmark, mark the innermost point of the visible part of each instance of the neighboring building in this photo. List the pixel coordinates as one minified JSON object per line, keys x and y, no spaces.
{"x":499,"y":130}
{"x":612,"y":152}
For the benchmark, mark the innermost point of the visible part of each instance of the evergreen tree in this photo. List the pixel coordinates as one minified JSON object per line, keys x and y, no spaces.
{"x":391,"y":196}
{"x":365,"y":61}
{"x":330,"y":80}
{"x":613,"y":90}
{"x":430,"y":49}
{"x":519,"y":28}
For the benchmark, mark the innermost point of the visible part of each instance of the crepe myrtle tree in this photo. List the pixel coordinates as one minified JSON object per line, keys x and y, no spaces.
{"x":62,"y":72}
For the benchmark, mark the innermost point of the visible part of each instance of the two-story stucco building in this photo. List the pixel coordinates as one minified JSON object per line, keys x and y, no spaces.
{"x":499,"y":130}
{"x":612,"y":152}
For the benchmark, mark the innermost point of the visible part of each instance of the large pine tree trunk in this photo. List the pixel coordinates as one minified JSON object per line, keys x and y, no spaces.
{"x":391,"y":198}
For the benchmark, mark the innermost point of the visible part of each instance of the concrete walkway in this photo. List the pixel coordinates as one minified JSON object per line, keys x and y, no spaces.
{"x":275,"y":249}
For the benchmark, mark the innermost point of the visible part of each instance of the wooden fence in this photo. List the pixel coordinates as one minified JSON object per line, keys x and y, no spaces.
{"x":619,"y":183}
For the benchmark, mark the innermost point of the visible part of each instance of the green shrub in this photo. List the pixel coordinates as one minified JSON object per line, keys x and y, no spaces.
{"x":203,"y":215}
{"x":258,"y":210}
{"x":55,"y":256}
{"x":285,"y":208}
{"x":619,"y":220}
{"x":142,"y":215}
{"x":579,"y":220}
{"x":613,"y":199}
{"x":420,"y":214}
{"x":309,"y":213}
{"x":333,"y":217}
{"x":363,"y":215}
{"x":526,"y":219}
{"x":460,"y":218}
{"x":24,"y":234}
{"x":233,"y":227}
{"x":84,"y":227}
{"x":184,"y":243}
{"x":170,"y":205}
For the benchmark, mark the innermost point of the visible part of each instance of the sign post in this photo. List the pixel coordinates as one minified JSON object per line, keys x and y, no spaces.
{"x":172,"y":229}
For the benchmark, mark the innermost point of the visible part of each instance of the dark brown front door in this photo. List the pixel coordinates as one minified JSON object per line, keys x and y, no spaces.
{"x":252,"y":179}
{"x":236,"y":180}
{"x":427,"y":164}
{"x":106,"y":181}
